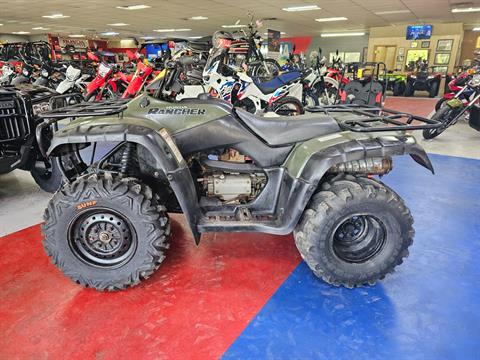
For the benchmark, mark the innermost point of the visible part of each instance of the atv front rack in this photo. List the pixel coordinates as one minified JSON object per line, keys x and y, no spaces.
{"x":372,"y":118}
{"x":101,"y":108}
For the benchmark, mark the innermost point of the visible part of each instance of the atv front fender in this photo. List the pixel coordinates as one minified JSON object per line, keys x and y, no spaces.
{"x":311,"y":160}
{"x":166,"y":157}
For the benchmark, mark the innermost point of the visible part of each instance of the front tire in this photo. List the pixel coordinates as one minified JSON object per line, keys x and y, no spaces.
{"x":433,"y":90}
{"x":409,"y":89}
{"x":446,"y":114}
{"x":106,"y":232}
{"x":354,"y":231}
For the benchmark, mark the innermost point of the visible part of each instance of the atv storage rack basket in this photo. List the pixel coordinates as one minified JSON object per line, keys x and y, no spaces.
{"x":372,"y":119}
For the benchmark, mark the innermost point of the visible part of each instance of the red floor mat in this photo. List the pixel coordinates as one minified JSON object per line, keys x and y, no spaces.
{"x":193,"y":307}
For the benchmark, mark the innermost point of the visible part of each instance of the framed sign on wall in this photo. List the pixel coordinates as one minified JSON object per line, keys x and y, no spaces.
{"x":444,"y":45}
{"x":442,"y":59}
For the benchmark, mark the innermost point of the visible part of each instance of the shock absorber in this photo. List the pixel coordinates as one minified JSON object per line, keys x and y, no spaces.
{"x":129,"y":165}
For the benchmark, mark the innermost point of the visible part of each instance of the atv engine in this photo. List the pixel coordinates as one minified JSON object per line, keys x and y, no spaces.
{"x":233,"y":187}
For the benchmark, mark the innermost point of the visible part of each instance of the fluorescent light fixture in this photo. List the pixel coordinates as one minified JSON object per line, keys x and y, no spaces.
{"x":56,"y":16}
{"x":476,"y":29}
{"x":118,"y":24}
{"x":134,"y":7}
{"x":195,"y":37}
{"x":390,"y":12}
{"x":198,"y":18}
{"x":465,"y":10}
{"x":171,"y":30}
{"x":1,"y":24}
{"x":21,"y":32}
{"x":234,"y":26}
{"x":147,"y":37}
{"x":76,"y":36}
{"x":40,"y":28}
{"x":340,"y":18}
{"x":301,"y":8}
{"x":342,"y":34}
{"x":110,"y":33}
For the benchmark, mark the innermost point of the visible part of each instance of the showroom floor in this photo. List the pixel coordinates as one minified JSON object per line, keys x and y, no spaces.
{"x":249,"y":296}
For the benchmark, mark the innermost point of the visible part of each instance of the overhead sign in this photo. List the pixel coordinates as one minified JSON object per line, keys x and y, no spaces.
{"x":273,"y":40}
{"x":77,"y":43}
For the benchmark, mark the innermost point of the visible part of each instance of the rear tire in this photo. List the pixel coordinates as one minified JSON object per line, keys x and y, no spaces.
{"x":433,"y":90}
{"x":398,"y":88}
{"x":106,"y":232}
{"x":288,"y":106}
{"x":354,"y":231}
{"x":48,"y":179}
{"x":440,"y":104}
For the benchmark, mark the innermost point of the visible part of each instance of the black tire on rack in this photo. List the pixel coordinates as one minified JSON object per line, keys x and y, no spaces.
{"x":106,"y":232}
{"x":354,"y":231}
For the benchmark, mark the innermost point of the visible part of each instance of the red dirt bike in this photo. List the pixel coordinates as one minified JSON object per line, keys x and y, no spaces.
{"x":108,"y":82}
{"x":141,"y":76}
{"x":454,"y":86}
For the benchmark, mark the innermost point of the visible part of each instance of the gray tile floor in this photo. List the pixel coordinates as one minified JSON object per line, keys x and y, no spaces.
{"x":22,"y":202}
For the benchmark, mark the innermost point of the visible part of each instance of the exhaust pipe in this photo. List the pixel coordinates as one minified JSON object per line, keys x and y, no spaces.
{"x":368,"y":166}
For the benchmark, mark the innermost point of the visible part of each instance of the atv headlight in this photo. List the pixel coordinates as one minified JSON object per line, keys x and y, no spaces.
{"x":44,"y":73}
{"x":40,"y":108}
{"x":413,"y":76}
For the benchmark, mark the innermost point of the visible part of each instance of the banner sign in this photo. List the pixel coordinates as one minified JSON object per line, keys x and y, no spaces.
{"x":77,"y":43}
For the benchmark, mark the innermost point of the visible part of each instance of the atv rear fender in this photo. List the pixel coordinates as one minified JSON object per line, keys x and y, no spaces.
{"x":167,"y":157}
{"x":312,"y":159}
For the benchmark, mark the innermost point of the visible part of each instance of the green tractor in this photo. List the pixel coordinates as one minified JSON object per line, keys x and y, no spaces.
{"x":128,"y":165}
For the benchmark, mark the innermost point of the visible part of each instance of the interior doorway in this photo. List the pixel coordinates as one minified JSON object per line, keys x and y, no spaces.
{"x":385,"y":54}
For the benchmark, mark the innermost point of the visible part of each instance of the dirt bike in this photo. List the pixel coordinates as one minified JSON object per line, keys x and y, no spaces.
{"x":226,"y":170}
{"x":454,"y":86}
{"x":282,"y":94}
{"x":465,"y":101}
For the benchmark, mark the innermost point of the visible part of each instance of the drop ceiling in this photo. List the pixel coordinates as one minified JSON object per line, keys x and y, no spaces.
{"x":91,"y":17}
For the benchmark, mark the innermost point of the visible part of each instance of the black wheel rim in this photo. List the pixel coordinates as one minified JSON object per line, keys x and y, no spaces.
{"x":102,"y":238}
{"x":359,"y":238}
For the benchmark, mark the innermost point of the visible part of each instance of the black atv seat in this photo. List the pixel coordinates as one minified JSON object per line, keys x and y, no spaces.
{"x":282,"y":130}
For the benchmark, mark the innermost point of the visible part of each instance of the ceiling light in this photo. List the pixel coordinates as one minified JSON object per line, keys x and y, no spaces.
{"x":118,"y":24}
{"x":1,"y":24}
{"x":21,"y":32}
{"x":40,"y":28}
{"x":464,"y":10}
{"x":56,"y":16}
{"x":171,"y":30}
{"x":340,"y":18}
{"x":195,"y":37}
{"x":76,"y":36}
{"x":147,"y":37}
{"x":342,"y":34}
{"x":476,"y":29}
{"x":110,"y":33}
{"x":389,"y":12}
{"x":234,"y":26}
{"x":301,"y":8}
{"x":198,"y":18}
{"x":133,"y":7}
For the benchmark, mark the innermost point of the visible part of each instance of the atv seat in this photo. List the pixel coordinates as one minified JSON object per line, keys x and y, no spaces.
{"x":283,"y":130}
{"x":270,"y":86}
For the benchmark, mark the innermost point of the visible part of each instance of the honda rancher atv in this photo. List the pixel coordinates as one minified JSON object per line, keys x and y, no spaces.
{"x":226,"y":170}
{"x":19,"y":110}
{"x":423,"y":80}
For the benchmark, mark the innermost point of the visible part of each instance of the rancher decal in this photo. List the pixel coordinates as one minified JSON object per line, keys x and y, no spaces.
{"x":177,"y":111}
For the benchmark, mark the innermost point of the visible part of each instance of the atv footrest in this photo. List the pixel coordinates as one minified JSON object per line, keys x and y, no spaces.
{"x":372,"y":118}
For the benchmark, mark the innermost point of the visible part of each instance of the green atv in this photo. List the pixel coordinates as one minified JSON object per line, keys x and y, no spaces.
{"x":129,"y":164}
{"x":396,"y":83}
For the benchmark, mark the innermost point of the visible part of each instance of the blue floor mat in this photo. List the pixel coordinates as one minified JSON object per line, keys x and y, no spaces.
{"x":428,"y":309}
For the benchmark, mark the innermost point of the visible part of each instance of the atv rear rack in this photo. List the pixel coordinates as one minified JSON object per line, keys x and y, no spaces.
{"x":372,"y":118}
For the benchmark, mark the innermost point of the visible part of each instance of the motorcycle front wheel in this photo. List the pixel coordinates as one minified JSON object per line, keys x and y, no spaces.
{"x":447,"y":116}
